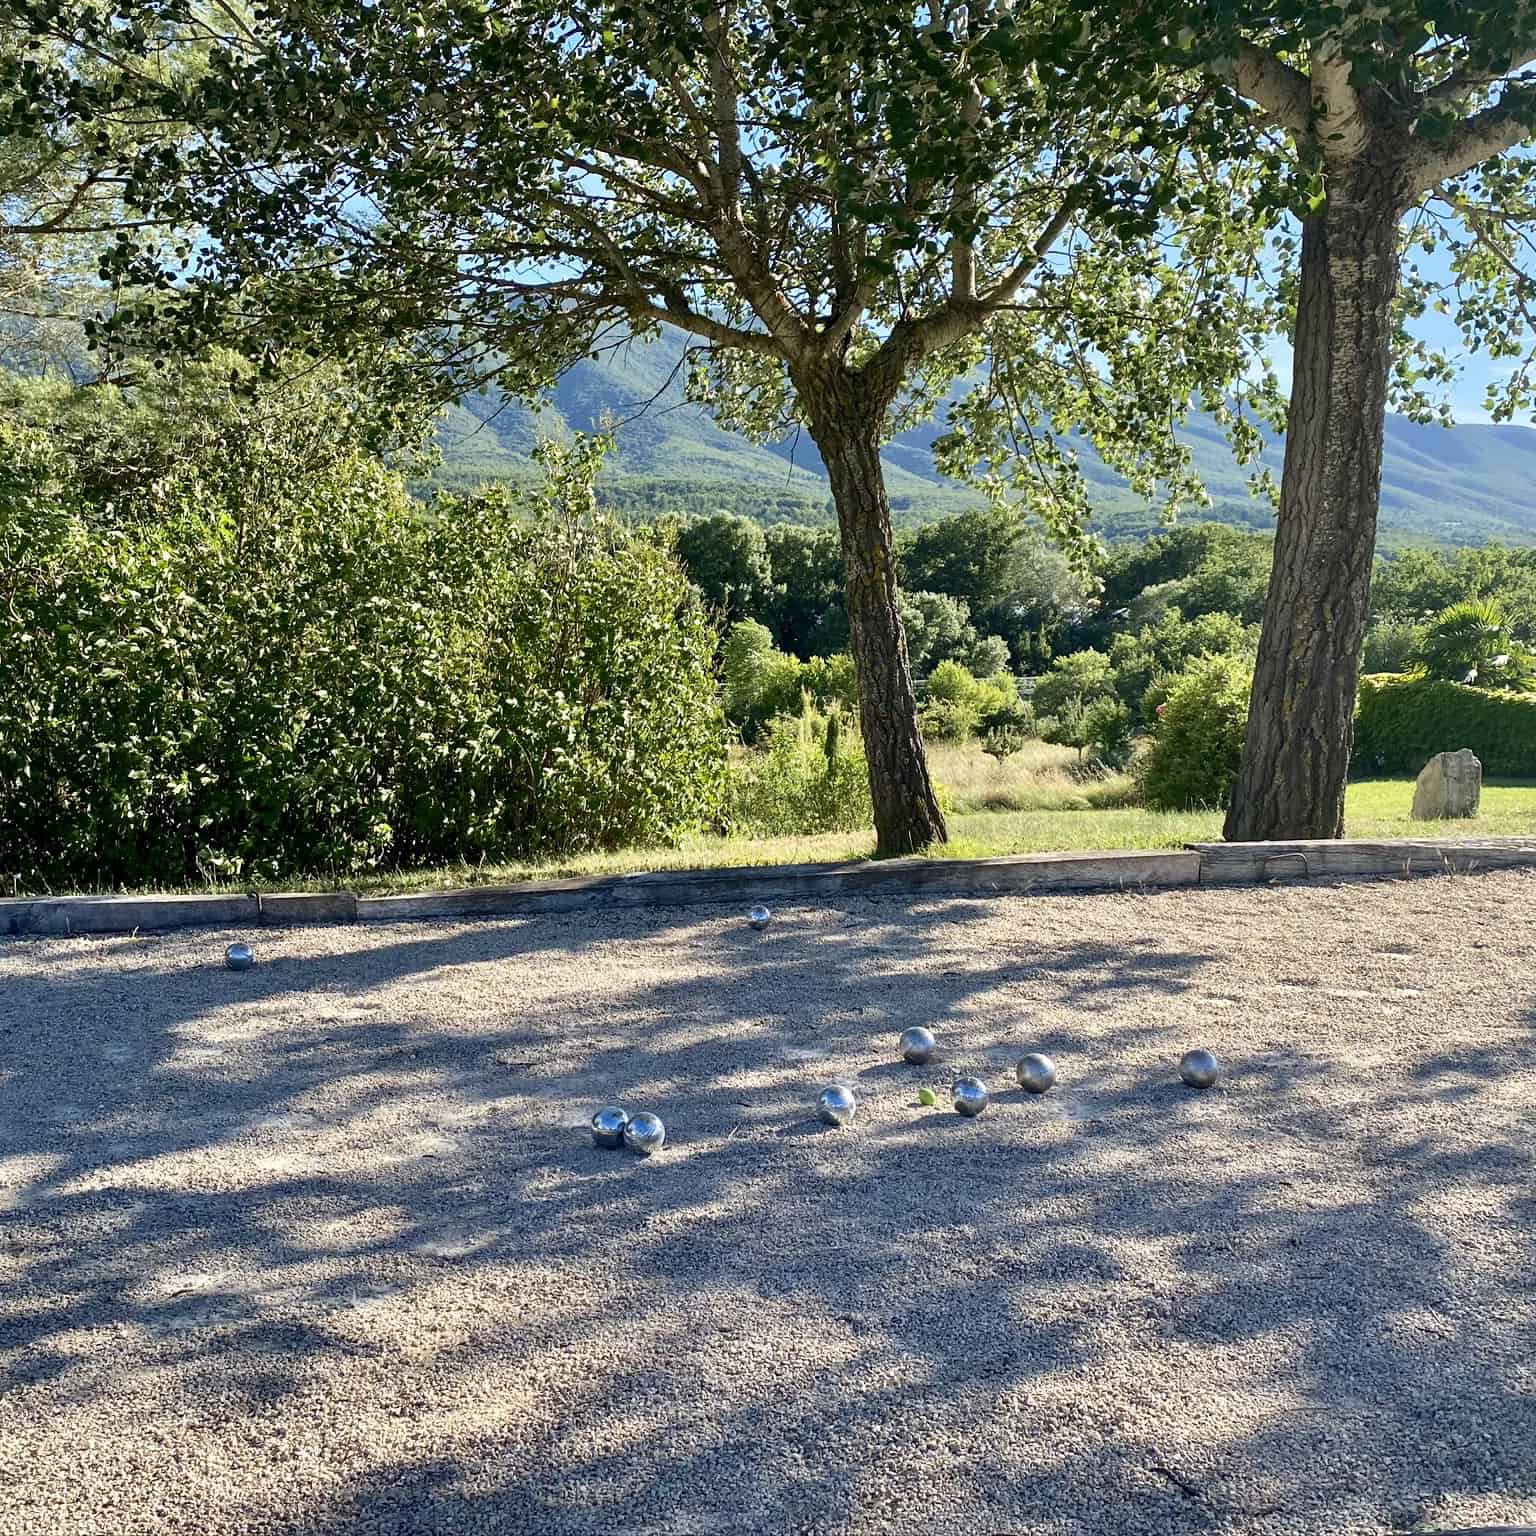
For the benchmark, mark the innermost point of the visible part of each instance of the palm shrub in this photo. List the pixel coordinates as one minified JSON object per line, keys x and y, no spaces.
{"x":1470,"y":642}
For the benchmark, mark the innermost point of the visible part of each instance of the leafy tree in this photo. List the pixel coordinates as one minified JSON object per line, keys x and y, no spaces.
{"x":938,"y":627}
{"x":976,"y":556}
{"x":848,"y":208}
{"x":1168,"y":647}
{"x":1416,"y":585}
{"x":1046,"y":596}
{"x":809,"y":614}
{"x":1068,"y":727}
{"x":1003,"y":730}
{"x":1110,"y":731}
{"x":726,"y":558}
{"x":1082,"y":675}
{"x":1192,"y":761}
{"x":1398,"y":125}
{"x":1199,"y":568}
{"x":1392,"y":645}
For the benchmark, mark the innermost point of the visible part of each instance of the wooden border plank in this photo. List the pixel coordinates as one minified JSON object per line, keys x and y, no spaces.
{"x":1255,"y":863}
{"x":1124,"y":869}
{"x":797,"y":882}
{"x":126,"y":914}
{"x":289,"y":908}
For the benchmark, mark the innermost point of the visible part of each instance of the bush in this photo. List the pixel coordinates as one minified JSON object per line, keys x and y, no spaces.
{"x":1392,"y":645}
{"x":315,"y":675}
{"x":1084,"y":675}
{"x":1004,"y":730}
{"x":1402,"y":722}
{"x":1110,"y":732}
{"x":1167,"y":647}
{"x":759,"y":682}
{"x":1067,"y":728}
{"x":807,"y":778}
{"x":1198,"y":738}
{"x":958,"y":703}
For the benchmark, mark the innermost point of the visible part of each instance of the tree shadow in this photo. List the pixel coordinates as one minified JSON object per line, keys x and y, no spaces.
{"x":1125,"y":1305}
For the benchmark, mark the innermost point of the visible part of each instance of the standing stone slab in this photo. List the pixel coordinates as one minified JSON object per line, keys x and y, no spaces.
{"x":1450,"y":786}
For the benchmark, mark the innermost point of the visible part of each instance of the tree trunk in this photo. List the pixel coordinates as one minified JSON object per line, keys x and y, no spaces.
{"x":846,"y":426}
{"x":1295,"y":759}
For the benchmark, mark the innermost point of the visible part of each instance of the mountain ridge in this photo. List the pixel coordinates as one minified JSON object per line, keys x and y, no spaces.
{"x":1470,"y":484}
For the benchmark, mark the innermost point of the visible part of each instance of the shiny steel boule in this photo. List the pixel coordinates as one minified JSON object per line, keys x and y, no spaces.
{"x":837,"y":1105}
{"x":608,"y":1126}
{"x":238,"y":957}
{"x":1199,"y":1068}
{"x":917,"y":1045}
{"x":1036,"y":1073}
{"x":971,"y":1097}
{"x":759,"y":917}
{"x":644,"y":1134}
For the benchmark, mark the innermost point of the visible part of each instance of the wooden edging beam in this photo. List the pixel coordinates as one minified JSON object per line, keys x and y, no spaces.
{"x":1198,"y":864}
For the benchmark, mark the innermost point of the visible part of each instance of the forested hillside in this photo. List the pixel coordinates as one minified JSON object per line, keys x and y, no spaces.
{"x":1461,"y":486}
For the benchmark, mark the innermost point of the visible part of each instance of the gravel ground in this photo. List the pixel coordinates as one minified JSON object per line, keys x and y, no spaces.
{"x":324,"y":1247}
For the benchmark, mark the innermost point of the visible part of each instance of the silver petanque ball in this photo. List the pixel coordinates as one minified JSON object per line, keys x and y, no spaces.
{"x":836,"y":1105}
{"x":644,"y":1134}
{"x":759,"y":917}
{"x":971,"y":1096}
{"x":917,"y":1045}
{"x":608,"y":1126}
{"x":1036,"y":1073}
{"x":1199,"y":1068}
{"x":238,"y":957}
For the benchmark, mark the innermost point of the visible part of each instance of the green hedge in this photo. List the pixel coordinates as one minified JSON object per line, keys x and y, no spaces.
{"x":1402,"y":722}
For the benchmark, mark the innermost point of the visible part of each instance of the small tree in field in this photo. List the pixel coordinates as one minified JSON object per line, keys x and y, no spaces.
{"x":849,"y":208}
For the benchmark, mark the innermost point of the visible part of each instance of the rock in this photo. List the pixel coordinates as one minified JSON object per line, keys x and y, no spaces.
{"x":1450,"y":786}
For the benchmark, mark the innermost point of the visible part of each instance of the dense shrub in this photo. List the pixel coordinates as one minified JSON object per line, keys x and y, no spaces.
{"x":1402,"y":722}
{"x":1392,"y":645}
{"x":312,"y":674}
{"x":957,"y":702}
{"x":1110,"y":732}
{"x":1083,"y":675}
{"x":1198,"y":736}
{"x":1003,"y":730}
{"x":808,"y":777}
{"x":759,"y":683}
{"x":1167,"y":647}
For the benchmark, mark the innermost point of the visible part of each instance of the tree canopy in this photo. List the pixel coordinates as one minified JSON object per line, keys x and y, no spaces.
{"x":849,"y":209}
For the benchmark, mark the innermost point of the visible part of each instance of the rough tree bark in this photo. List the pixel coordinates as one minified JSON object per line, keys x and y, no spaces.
{"x":1295,"y":759}
{"x":846,"y":422}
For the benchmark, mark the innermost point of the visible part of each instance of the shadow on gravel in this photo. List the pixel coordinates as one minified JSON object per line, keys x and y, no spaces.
{"x":807,"y":1331}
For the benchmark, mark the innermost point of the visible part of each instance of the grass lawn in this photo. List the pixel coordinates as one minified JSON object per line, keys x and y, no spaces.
{"x":1035,"y":802}
{"x":1053,"y":814}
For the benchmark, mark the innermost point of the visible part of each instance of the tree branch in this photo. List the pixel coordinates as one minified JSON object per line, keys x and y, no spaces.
{"x":1464,"y":83}
{"x":695,"y":324}
{"x":727,"y":111}
{"x":1283,"y":93}
{"x":910,"y":342}
{"x":1003,"y":292}
{"x":1339,"y":124}
{"x":1482,"y":137}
